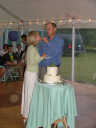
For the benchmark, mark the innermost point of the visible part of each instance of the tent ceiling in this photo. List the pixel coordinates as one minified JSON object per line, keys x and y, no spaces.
{"x":49,"y":10}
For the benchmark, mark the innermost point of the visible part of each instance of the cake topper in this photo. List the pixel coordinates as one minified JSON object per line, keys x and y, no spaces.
{"x":52,"y":64}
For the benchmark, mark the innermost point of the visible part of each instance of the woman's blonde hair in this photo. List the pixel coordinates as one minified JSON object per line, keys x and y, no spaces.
{"x":31,"y":38}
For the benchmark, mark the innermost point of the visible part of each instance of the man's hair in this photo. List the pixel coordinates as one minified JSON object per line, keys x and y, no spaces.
{"x":9,"y":46}
{"x":23,"y":36}
{"x":53,"y":24}
{"x":5,"y":45}
{"x":18,"y":45}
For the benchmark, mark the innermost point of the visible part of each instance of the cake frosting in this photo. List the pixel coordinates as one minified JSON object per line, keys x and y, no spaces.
{"x":51,"y":76}
{"x":52,"y":71}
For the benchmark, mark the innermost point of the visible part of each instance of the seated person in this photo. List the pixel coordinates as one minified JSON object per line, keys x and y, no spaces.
{"x":23,"y":59}
{"x":2,"y":72}
{"x":19,"y":52}
{"x":11,"y":61}
{"x":2,"y":60}
{"x":4,"y":49}
{"x":2,"y":66}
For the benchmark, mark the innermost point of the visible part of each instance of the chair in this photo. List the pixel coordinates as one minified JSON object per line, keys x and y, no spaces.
{"x":12,"y":74}
{"x":15,"y":74}
{"x":54,"y":124}
{"x":9,"y":73}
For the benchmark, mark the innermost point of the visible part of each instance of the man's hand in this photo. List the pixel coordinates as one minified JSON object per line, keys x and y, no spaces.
{"x":45,"y":40}
{"x":23,"y":41}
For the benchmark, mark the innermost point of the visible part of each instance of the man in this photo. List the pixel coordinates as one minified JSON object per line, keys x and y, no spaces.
{"x":52,"y":47}
{"x":4,"y":49}
{"x":20,"y":52}
{"x":11,"y":61}
{"x":23,"y":41}
{"x":23,"y":38}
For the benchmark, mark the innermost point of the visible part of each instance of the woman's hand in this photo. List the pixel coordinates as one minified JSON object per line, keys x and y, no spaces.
{"x":44,"y":55}
{"x":45,"y":40}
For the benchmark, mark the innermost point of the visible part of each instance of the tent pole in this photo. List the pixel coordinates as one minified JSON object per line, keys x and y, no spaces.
{"x":10,"y":13}
{"x":6,"y":38}
{"x":21,"y":35}
{"x":73,"y":44}
{"x":14,"y":46}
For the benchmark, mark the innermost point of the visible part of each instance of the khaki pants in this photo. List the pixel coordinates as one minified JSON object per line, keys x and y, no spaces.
{"x":15,"y":67}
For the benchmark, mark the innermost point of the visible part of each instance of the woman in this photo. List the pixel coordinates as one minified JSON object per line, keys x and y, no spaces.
{"x":31,"y":72}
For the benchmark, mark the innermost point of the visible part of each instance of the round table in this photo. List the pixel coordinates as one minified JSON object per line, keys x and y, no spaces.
{"x":49,"y":103}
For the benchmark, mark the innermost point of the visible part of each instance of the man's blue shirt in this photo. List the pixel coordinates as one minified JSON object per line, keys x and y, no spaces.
{"x":52,"y":49}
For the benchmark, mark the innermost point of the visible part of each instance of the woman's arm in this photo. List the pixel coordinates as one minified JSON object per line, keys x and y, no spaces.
{"x":31,"y":57}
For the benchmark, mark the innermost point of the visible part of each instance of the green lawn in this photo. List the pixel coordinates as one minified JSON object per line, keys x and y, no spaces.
{"x":85,"y":67}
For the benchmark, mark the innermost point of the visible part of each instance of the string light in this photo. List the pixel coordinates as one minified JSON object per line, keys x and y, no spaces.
{"x":36,"y":22}
{"x":44,"y":22}
{"x":21,"y":21}
{"x":5,"y":23}
{"x":10,"y":23}
{"x":79,"y":20}
{"x":90,"y":20}
{"x":70,"y":20}
{"x":30,"y":23}
{"x":60,"y":21}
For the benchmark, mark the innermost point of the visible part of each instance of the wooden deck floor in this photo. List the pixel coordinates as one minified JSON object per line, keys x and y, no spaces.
{"x":10,"y":105}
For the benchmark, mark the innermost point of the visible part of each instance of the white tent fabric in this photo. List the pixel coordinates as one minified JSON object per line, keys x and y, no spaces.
{"x":33,"y":12}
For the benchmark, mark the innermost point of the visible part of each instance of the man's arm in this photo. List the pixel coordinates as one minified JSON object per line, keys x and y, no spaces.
{"x":23,"y":42}
{"x":57,"y":49}
{"x":20,"y":60}
{"x":41,"y":49}
{"x":41,"y":53}
{"x":15,"y":56}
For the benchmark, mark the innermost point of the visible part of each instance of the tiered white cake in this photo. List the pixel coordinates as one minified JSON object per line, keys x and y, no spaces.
{"x":51,"y":76}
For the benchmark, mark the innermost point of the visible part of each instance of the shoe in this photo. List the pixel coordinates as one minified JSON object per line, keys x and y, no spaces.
{"x":21,"y":79}
{"x":25,"y":122}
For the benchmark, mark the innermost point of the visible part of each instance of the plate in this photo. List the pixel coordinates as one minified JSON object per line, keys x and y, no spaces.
{"x":48,"y":57}
{"x":62,"y":82}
